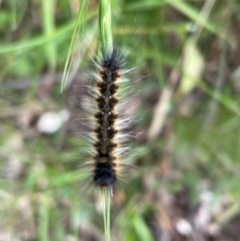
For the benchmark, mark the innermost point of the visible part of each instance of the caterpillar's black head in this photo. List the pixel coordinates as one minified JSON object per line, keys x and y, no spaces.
{"x":104,"y":175}
{"x":113,"y":61}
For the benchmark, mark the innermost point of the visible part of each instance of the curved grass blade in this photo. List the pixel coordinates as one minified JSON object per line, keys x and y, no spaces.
{"x":80,"y":23}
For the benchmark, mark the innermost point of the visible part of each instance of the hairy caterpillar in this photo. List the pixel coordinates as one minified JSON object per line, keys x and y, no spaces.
{"x":106,"y":112}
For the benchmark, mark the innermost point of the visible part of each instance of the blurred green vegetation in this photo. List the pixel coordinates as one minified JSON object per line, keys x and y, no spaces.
{"x":187,"y":136}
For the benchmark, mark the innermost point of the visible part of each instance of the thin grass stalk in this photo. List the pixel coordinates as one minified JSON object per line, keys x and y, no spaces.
{"x":105,"y":30}
{"x":106,"y":47}
{"x":106,"y":212}
{"x":44,"y":218}
{"x":49,"y":28}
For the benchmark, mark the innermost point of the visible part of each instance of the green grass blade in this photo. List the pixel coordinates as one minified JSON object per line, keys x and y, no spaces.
{"x":19,"y":47}
{"x":141,"y":228}
{"x":48,"y":25}
{"x":105,"y":30}
{"x":75,"y":37}
{"x":14,"y":13}
{"x":145,"y":5}
{"x":223,"y":99}
{"x":44,"y":218}
{"x":189,"y":11}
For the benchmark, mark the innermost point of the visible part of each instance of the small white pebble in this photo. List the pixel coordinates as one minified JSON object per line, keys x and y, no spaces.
{"x":184,"y":227}
{"x":51,"y":122}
